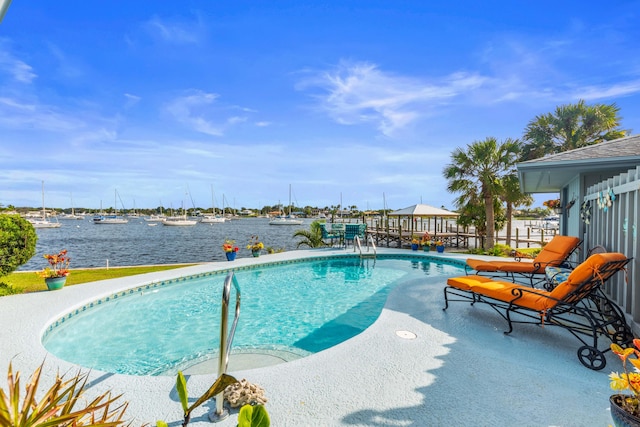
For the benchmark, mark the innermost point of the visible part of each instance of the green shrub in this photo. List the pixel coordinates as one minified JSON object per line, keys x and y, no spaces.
{"x":17,"y":242}
{"x":6,"y":289}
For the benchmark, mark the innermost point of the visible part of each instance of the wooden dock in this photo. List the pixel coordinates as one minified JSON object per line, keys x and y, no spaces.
{"x":455,"y":238}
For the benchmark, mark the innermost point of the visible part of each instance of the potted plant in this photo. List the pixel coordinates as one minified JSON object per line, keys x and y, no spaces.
{"x":625,"y":408}
{"x":440,"y":246}
{"x":55,"y":276}
{"x":426,"y":242}
{"x":414,"y":243}
{"x":230,"y":249}
{"x":554,"y":205}
{"x":255,"y":246}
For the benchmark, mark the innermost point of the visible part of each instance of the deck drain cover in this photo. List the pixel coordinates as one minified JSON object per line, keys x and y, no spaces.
{"x":406,"y":335}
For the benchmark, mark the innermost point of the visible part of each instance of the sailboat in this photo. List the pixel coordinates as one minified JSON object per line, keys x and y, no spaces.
{"x":111,"y":219}
{"x":72,"y":215}
{"x":289,"y":219}
{"x":213,"y":218}
{"x":156,"y":218}
{"x":180,"y":220}
{"x":44,"y":222}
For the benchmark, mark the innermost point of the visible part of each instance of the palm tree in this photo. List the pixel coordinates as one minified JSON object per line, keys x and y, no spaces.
{"x":479,"y":171}
{"x":512,"y":196}
{"x":312,"y":237}
{"x":571,"y":126}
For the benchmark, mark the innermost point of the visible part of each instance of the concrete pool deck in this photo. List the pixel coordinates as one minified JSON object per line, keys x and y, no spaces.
{"x":417,"y":365}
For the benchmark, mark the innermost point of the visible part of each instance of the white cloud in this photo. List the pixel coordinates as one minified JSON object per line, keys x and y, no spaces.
{"x":188,"y":110}
{"x":131,"y":100}
{"x":174,"y":32}
{"x":17,"y":69}
{"x":362,"y":93}
{"x":201,"y":112}
{"x":592,"y":93}
{"x":19,"y":114}
{"x":236,"y":119}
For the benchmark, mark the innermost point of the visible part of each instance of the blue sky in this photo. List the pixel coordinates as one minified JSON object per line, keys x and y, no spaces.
{"x":346,"y":101}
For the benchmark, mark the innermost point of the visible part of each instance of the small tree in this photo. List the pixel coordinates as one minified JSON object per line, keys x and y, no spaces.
{"x":17,"y":242}
{"x":477,"y":174}
{"x":312,"y":237}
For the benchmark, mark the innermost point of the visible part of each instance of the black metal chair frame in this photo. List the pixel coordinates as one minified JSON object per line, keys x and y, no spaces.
{"x":587,"y":313}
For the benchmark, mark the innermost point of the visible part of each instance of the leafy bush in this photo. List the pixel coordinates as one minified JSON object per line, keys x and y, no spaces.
{"x":506,"y":251}
{"x":6,"y":289}
{"x":500,"y":250}
{"x":17,"y":242}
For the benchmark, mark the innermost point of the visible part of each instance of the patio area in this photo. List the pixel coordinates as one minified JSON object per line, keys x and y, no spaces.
{"x":417,"y":365}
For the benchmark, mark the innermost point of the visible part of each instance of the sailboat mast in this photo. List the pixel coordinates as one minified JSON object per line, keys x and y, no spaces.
{"x":213,"y":203}
{"x":44,"y":212}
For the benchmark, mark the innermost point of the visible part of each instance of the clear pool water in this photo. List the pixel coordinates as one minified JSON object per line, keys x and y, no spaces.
{"x":302,"y":307}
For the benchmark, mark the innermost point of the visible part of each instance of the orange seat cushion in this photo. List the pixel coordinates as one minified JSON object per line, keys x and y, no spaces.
{"x":553,"y":253}
{"x":518,"y":267}
{"x":481,"y":265}
{"x":504,"y":266}
{"x":557,"y":250}
{"x":465,"y":282}
{"x":585,"y":271}
{"x":535,"y":299}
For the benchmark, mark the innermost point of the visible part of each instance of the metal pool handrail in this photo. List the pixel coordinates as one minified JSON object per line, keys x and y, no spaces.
{"x":370,"y":244}
{"x":226,"y":341}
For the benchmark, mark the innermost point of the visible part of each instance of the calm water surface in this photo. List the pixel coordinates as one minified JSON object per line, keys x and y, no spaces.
{"x":138,"y":243}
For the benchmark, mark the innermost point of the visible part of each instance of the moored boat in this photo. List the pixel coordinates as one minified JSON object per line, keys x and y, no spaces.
{"x":179,"y":221}
{"x":288,"y":219}
{"x":109,"y":219}
{"x":43,"y":222}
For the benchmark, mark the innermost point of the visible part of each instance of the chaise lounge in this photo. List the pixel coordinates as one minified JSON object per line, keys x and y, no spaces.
{"x":578,"y":305}
{"x":553,"y":254}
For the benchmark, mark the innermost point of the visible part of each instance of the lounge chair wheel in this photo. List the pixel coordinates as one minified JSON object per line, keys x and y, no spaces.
{"x":591,"y":357}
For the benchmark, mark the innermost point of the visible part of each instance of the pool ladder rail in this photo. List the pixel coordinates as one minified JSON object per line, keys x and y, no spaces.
{"x":221,"y":413}
{"x":371,"y":247}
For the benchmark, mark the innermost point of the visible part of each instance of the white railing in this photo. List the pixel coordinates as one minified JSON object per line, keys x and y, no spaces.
{"x":612,"y":210}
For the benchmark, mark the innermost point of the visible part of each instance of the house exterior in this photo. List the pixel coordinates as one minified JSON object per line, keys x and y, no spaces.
{"x":599,"y":189}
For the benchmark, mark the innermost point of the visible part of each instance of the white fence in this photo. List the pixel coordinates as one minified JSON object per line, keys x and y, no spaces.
{"x":610,"y":216}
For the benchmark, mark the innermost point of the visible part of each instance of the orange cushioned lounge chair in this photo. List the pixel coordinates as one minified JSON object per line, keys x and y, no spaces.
{"x":578,"y":304}
{"x":553,"y":254}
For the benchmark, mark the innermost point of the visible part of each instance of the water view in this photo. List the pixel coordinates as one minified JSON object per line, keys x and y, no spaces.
{"x":139,"y":243}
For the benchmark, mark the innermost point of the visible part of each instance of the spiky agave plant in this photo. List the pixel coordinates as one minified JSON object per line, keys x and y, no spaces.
{"x":59,"y":406}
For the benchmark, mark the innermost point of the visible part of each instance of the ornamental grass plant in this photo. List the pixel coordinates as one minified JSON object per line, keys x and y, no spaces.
{"x":63,"y":404}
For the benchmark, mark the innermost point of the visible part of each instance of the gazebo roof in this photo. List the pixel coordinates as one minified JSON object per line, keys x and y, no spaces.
{"x":423,"y":210}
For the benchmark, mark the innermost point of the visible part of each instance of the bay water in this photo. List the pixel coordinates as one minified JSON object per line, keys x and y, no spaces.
{"x":138,"y":242}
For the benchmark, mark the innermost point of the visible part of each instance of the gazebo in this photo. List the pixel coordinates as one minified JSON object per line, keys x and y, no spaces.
{"x":423,"y":211}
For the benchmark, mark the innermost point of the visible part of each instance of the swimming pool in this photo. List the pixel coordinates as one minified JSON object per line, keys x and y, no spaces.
{"x":296,"y":308}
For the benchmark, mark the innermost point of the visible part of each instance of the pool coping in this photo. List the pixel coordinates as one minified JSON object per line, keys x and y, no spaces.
{"x":326,"y":387}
